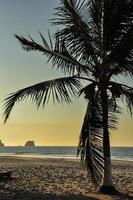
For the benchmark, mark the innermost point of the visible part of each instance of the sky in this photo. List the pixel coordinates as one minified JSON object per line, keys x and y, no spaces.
{"x":55,"y":124}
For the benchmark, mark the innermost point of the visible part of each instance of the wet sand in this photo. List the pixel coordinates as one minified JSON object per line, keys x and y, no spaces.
{"x":58,"y":179}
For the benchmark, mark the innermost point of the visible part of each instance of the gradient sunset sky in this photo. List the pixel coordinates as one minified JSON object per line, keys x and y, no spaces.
{"x":55,"y":124}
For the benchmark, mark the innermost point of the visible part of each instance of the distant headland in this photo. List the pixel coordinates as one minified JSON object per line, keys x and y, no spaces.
{"x":1,"y":144}
{"x":29,"y":144}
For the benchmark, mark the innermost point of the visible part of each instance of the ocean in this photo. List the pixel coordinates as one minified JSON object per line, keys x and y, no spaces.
{"x":118,"y":153}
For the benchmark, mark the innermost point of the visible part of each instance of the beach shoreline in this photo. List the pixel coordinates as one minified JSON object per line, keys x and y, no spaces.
{"x":52,"y":178}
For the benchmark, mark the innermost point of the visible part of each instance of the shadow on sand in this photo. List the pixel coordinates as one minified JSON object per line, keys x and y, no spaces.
{"x":122,"y":196}
{"x":14,"y":194}
{"x":7,"y":179}
{"x":17,"y":194}
{"x":25,"y":195}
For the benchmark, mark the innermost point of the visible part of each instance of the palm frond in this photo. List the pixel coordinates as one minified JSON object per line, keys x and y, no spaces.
{"x":59,"y":89}
{"x":75,"y":17}
{"x":90,"y":144}
{"x":118,"y":33}
{"x":91,"y":90}
{"x":121,"y":90}
{"x":88,"y":90}
{"x":127,"y":94}
{"x":113,"y":113}
{"x":118,"y":15}
{"x":96,"y":15}
{"x":71,"y":12}
{"x":59,"y":55}
{"x":91,"y":136}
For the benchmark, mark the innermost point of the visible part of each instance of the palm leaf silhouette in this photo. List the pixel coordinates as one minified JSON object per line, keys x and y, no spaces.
{"x":60,"y":90}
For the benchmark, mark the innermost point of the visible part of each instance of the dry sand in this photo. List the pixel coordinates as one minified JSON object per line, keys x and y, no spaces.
{"x":58,"y":179}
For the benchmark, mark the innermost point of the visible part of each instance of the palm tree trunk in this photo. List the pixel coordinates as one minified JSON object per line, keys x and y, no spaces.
{"x":107,"y":180}
{"x":107,"y":184}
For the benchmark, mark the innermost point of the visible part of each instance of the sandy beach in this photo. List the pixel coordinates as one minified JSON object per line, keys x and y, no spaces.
{"x":58,"y":179}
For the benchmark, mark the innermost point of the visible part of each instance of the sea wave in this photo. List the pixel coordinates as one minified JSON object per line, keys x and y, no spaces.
{"x":118,"y":153}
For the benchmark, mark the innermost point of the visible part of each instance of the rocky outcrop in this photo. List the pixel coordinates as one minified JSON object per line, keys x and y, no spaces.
{"x":1,"y":144}
{"x":29,"y":144}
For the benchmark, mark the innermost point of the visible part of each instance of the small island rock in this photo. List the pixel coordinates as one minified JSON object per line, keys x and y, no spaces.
{"x":1,"y":144}
{"x":29,"y":144}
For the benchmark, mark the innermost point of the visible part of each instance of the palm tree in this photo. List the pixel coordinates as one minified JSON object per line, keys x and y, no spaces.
{"x":95,"y":44}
